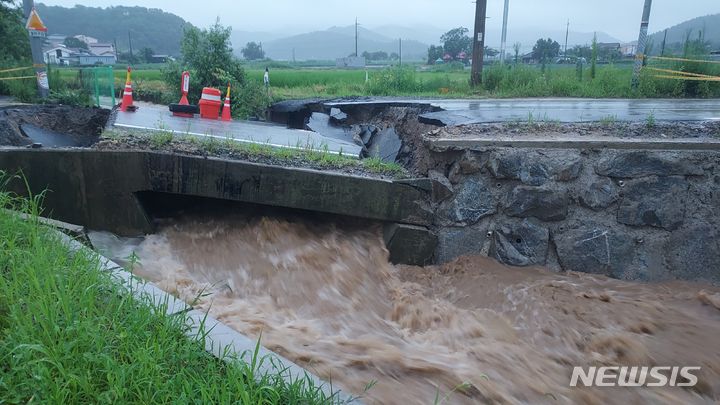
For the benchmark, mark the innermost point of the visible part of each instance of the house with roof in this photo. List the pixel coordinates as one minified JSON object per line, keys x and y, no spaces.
{"x":629,"y":49}
{"x":57,"y":54}
{"x":97,"y":53}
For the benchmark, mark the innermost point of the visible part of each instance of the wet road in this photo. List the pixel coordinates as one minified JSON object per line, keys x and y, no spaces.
{"x":158,"y":118}
{"x":459,"y":112}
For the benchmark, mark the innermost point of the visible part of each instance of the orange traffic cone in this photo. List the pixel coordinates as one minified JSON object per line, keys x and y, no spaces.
{"x":127,"y":100}
{"x":226,"y":113}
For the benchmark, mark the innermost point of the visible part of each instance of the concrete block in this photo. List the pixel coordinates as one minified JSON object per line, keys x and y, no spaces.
{"x":409,"y":244}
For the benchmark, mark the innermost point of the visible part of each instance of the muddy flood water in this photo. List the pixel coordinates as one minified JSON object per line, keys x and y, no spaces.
{"x":325,"y":296}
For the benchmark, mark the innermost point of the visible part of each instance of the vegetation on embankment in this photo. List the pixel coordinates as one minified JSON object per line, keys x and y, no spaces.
{"x":71,"y":334}
{"x":302,"y":155}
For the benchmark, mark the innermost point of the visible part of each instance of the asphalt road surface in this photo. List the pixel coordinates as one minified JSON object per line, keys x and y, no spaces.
{"x":558,"y":109}
{"x":153,"y":117}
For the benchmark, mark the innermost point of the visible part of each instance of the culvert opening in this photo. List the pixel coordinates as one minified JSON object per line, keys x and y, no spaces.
{"x":163,"y":208}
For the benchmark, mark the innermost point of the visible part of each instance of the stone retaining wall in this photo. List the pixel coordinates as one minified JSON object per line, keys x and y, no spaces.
{"x":629,"y":214}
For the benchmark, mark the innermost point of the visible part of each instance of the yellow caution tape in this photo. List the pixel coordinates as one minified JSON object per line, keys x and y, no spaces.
{"x":680,"y":73}
{"x":685,"y":60}
{"x":15,"y":69}
{"x":707,"y":79}
{"x":17,"y":78}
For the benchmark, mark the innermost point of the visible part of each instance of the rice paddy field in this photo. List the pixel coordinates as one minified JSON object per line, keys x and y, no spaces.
{"x":609,"y":81}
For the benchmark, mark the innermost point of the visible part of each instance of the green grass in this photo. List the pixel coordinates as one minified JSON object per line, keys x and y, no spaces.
{"x":70,"y":334}
{"x":158,"y":139}
{"x":301,"y":153}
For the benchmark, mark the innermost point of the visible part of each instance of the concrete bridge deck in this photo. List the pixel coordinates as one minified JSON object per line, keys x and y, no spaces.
{"x":101,"y":190}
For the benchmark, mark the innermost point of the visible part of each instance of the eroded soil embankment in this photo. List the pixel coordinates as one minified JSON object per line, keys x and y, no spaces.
{"x":325,"y":296}
{"x":82,"y":126}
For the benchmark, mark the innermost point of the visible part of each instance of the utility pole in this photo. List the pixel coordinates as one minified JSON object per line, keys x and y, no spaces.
{"x":567,"y":33}
{"x":503,"y":41}
{"x":479,"y":42}
{"x":356,"y":37}
{"x":37,"y":32}
{"x":130,"y":45}
{"x":642,"y":41}
{"x":662,"y":52}
{"x":400,"y":54}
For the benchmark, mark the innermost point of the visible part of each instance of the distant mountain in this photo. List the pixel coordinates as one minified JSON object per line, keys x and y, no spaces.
{"x":151,"y":28}
{"x":526,"y":36}
{"x":338,"y":42}
{"x":423,"y":33}
{"x":240,"y":38}
{"x":709,"y":24}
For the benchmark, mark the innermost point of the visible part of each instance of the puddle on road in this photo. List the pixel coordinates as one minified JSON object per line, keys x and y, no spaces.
{"x":325,"y":297}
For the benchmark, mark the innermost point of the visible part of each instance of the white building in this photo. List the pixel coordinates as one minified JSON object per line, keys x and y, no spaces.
{"x":57,"y":55}
{"x":629,"y":49}
{"x":96,"y":54}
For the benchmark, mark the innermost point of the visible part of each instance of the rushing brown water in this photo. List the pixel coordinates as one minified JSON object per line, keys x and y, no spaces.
{"x":325,"y":297}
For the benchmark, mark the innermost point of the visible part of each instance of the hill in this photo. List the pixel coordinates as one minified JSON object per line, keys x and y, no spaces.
{"x":151,"y":28}
{"x":337,"y":42}
{"x":709,"y":24}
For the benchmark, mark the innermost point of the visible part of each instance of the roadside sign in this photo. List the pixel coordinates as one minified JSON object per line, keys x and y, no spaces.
{"x":42,"y":80}
{"x":35,"y":25}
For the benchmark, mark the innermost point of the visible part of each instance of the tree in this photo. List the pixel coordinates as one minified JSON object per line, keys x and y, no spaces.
{"x":516,"y":48}
{"x":545,"y":49}
{"x":581,"y":51}
{"x":456,"y":41}
{"x":208,"y":56}
{"x":394,"y":56}
{"x":253,"y":51}
{"x":72,"y":42}
{"x":435,"y":53}
{"x":15,"y":43}
{"x":129,"y":58}
{"x":374,"y":56}
{"x":147,"y":54}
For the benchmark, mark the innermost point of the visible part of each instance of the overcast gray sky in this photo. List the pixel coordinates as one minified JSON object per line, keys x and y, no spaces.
{"x":619,"y":18}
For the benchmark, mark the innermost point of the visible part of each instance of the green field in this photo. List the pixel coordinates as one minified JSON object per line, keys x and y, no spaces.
{"x":287,"y":82}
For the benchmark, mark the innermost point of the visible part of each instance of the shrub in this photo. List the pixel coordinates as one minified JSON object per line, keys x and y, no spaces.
{"x":394,"y":80}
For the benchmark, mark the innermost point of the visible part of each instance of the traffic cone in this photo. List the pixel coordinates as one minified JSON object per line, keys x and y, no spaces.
{"x":127,"y":100}
{"x":226,"y":113}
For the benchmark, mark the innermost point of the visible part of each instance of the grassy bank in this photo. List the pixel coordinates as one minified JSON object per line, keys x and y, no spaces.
{"x":69,"y":334}
{"x":300,"y":155}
